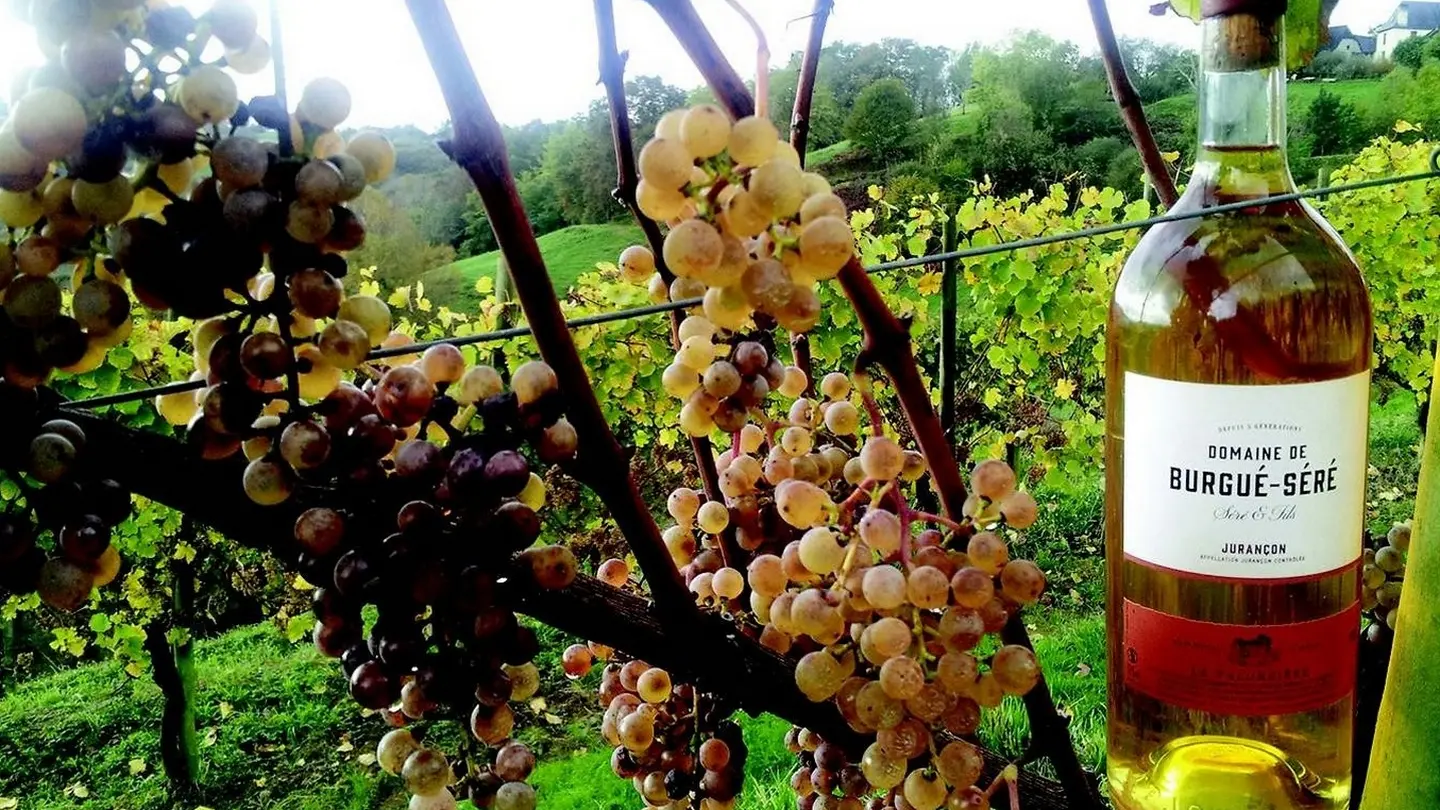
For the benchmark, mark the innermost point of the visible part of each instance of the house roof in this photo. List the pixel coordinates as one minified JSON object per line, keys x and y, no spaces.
{"x":1340,"y":33}
{"x":1421,"y":16}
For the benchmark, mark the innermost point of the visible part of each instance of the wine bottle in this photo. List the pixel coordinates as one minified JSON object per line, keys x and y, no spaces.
{"x":1238,"y":369}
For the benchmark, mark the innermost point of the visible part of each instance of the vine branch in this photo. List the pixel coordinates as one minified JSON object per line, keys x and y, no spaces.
{"x":799,"y":137}
{"x":612,"y":76}
{"x":478,"y":146}
{"x":1131,"y":110}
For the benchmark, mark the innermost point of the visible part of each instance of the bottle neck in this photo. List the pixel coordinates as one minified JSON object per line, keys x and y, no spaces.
{"x":1242,"y":106}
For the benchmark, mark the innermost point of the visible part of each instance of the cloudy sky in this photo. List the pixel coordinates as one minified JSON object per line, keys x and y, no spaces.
{"x":537,"y":58}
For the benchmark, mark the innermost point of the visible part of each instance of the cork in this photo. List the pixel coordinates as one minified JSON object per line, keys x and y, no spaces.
{"x":1260,"y":8}
{"x":1246,"y":40}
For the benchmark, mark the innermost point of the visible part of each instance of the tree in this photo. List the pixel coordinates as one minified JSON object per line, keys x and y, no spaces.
{"x":650,"y":98}
{"x":393,"y":243}
{"x":883,"y":119}
{"x":1332,"y":125}
{"x":1410,"y":53}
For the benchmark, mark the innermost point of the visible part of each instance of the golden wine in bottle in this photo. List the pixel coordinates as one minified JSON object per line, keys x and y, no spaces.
{"x":1238,"y":371}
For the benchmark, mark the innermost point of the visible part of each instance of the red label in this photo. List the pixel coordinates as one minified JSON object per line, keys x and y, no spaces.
{"x":1235,"y":669}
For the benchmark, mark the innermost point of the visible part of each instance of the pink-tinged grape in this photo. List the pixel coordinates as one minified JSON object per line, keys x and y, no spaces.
{"x":64,"y":584}
{"x":752,"y":437}
{"x":800,"y":503}
{"x":1018,"y":509}
{"x":994,"y":615}
{"x":682,"y":504}
{"x":532,"y":381}
{"x":880,"y":529}
{"x":375,"y":152}
{"x":928,"y":588}
{"x":820,"y":551}
{"x":425,"y":772}
{"x":1022,"y":581}
{"x":515,"y":796}
{"x":637,"y":731}
{"x":776,"y":188}
{"x":394,"y":748}
{"x":304,"y":445}
{"x":826,"y":244}
{"x":819,"y":675}
{"x":988,"y":552}
{"x":680,"y":543}
{"x":404,"y":395}
{"x":701,"y":587}
{"x":881,"y":770}
{"x":324,"y":102}
{"x":514,"y":762}
{"x":902,"y":677}
{"x":319,"y":530}
{"x":693,"y":248}
{"x":1015,"y":669}
{"x":728,"y":583}
{"x":959,"y":763}
{"x":49,"y":123}
{"x":930,"y":703}
{"x":372,"y":314}
{"x":767,"y":576}
{"x":37,"y":256}
{"x":882,"y":458}
{"x":721,"y":379}
{"x":479,"y":383}
{"x":413,"y":703}
{"x":442,"y":364}
{"x":659,"y":203}
{"x":885,"y":639}
{"x":714,"y":755}
{"x":972,"y":587}
{"x":775,"y":639}
{"x":705,"y":131}
{"x":814,"y":613}
{"x":778,"y":467}
{"x":576,"y":660}
{"x":964,"y":718}
{"x":767,"y":286}
{"x":552,"y":567}
{"x":665,"y":163}
{"x":960,"y":629}
{"x":796,"y":441}
{"x":884,"y":587}
{"x":992,"y":479}
{"x":209,"y":95}
{"x":267,"y":482}
{"x":637,"y":264}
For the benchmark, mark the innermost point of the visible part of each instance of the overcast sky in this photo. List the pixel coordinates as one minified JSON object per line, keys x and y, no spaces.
{"x":537,"y":58}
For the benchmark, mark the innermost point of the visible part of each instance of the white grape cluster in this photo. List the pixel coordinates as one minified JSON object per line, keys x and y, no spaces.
{"x":428,"y":774}
{"x":750,"y":231}
{"x":1383,"y":578}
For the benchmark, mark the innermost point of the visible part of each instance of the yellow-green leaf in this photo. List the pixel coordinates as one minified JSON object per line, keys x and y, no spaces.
{"x":1064,"y":388}
{"x":137,"y":766}
{"x":226,"y":709}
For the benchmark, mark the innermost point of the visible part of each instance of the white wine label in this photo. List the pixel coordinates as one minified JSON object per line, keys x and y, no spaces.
{"x":1245,"y":481}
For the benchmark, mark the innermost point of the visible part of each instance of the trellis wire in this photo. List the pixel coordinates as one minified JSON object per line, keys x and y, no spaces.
{"x":954,"y":255}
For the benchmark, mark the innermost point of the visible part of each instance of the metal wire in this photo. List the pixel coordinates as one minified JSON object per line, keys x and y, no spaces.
{"x":966,"y":253}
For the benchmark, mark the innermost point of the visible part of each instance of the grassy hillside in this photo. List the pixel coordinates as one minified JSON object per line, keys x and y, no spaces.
{"x":1363,"y":93}
{"x":568,"y":252}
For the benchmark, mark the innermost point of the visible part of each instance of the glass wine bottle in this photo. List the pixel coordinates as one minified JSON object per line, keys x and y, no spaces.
{"x":1238,"y":369}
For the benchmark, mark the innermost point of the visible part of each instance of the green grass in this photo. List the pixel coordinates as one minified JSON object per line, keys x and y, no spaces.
{"x":568,"y":252}
{"x":1363,"y":93}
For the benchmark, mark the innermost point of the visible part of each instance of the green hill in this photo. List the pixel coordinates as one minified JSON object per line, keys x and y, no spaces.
{"x":1363,"y":93}
{"x":568,"y":252}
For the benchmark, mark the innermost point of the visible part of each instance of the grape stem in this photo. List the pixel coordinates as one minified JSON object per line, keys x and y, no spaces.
{"x":865,"y":386}
{"x":762,"y":58}
{"x":612,"y":76}
{"x":847,"y":506}
{"x":929,"y":517}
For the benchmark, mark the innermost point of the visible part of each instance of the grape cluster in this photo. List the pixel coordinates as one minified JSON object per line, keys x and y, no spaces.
{"x":100,"y":189}
{"x":1382,"y":578}
{"x":439,"y":538}
{"x":58,"y":543}
{"x":750,"y":231}
{"x":671,"y":740}
{"x":428,"y":774}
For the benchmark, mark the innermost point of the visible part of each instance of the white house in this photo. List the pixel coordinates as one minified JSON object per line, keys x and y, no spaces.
{"x":1409,"y":19}
{"x":1343,"y":40}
